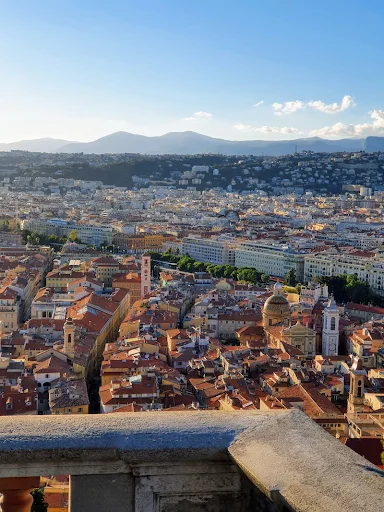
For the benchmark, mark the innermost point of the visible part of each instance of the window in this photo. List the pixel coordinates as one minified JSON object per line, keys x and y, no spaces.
{"x":333,"y":324}
{"x":359,"y":389}
{"x":80,"y":409}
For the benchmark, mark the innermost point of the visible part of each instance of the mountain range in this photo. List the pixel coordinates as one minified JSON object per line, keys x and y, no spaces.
{"x":184,"y":143}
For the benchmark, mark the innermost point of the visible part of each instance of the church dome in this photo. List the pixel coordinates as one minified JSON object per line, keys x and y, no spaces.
{"x":276,"y":304}
{"x":276,"y":308}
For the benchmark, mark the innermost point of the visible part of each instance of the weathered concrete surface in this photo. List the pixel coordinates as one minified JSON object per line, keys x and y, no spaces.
{"x":190,"y":487}
{"x":89,"y":444}
{"x":286,"y":455}
{"x":102,"y":492}
{"x":294,"y":460}
{"x":127,"y":432}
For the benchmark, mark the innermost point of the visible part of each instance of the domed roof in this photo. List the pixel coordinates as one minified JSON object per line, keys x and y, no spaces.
{"x":277,"y":304}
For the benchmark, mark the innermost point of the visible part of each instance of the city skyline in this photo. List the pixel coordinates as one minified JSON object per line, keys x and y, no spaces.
{"x":80,"y":72}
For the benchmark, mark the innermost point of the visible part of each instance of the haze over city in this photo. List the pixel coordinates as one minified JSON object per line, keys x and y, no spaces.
{"x":81,"y":70}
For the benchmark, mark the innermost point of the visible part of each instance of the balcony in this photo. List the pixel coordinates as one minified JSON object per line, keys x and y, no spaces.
{"x":277,"y":461}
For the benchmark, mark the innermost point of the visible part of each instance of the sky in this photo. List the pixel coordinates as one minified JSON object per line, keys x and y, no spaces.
{"x":245,"y":69}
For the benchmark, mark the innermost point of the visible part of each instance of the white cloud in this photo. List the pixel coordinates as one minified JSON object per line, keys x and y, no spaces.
{"x":332,"y":108}
{"x":289,"y":107}
{"x":199,"y":115}
{"x":378,"y":118}
{"x":283,"y":130}
{"x":258,"y":103}
{"x":337,"y":130}
{"x":205,"y":115}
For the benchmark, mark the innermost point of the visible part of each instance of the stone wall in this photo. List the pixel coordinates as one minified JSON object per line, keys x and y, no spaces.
{"x":215,"y":461}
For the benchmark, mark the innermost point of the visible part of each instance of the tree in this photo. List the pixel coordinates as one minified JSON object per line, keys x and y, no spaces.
{"x":39,"y":504}
{"x":219,"y":270}
{"x":248,"y":275}
{"x":53,"y":239}
{"x":185,"y":263}
{"x":290,"y":278}
{"x":73,"y":235}
{"x":228,"y":270}
{"x":199,"y":266}
{"x":265,"y":278}
{"x":156,"y":271}
{"x":356,"y":290}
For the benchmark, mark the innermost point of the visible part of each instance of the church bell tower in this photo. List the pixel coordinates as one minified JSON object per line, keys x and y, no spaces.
{"x":69,"y":338}
{"x":330,"y":332}
{"x":356,"y":389}
{"x":145,"y":274}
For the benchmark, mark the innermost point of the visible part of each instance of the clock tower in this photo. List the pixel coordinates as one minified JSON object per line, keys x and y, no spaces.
{"x":330,"y":333}
{"x":145,"y":274}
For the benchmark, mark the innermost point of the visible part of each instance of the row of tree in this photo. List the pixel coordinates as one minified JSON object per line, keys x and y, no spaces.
{"x":349,"y":288}
{"x":345,"y":288}
{"x":34,"y":238}
{"x":187,"y":264}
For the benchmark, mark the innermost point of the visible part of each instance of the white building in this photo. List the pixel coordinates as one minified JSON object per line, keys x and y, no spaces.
{"x":272,"y":259}
{"x":209,"y":250}
{"x":91,"y":235}
{"x":367,"y":269}
{"x":200,"y":168}
{"x":311,"y":293}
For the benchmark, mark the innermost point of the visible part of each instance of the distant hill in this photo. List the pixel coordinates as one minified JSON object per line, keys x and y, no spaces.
{"x":46,"y":145}
{"x":373,"y":144}
{"x":185,"y":143}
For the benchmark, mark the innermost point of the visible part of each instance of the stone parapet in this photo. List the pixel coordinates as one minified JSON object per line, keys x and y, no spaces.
{"x":194,"y":461}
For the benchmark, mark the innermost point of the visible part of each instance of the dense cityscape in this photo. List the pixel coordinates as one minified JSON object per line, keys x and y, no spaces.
{"x":191,"y":256}
{"x":176,"y":294}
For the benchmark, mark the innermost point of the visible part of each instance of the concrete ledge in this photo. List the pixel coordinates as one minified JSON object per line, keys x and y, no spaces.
{"x":297,"y":463}
{"x":288,"y":457}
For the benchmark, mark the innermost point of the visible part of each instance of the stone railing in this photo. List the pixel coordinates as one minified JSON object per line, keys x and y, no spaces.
{"x":193,"y":461}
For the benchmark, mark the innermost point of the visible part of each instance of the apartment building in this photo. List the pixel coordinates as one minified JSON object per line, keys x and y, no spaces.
{"x":209,"y":250}
{"x":272,"y":259}
{"x":364,"y":265}
{"x":9,"y":310}
{"x":137,"y":243}
{"x":91,"y":235}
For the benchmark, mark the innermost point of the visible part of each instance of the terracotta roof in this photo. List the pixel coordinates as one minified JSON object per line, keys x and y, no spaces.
{"x":314,"y":403}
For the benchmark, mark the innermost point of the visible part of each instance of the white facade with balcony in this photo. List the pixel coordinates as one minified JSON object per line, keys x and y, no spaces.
{"x":218,"y":252}
{"x":368,"y":270}
{"x":274,"y":260}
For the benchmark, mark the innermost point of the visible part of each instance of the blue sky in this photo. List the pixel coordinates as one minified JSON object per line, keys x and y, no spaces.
{"x":80,"y":69}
